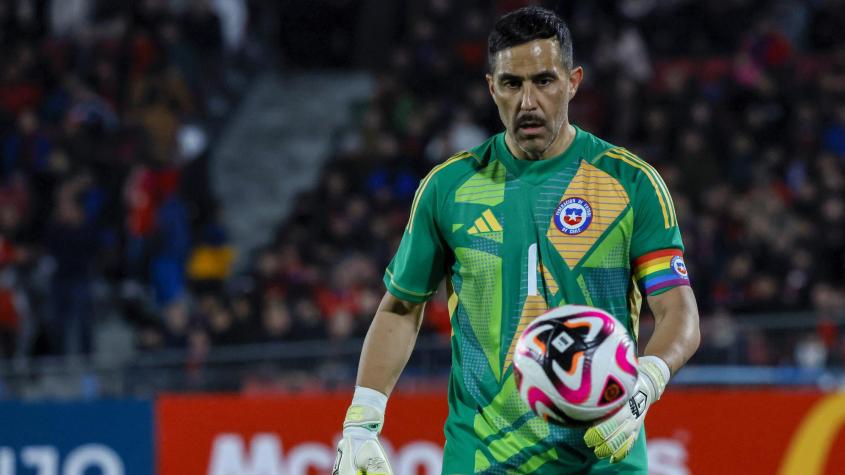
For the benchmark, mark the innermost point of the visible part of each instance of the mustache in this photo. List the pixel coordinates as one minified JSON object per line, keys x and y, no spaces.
{"x":529,"y":119}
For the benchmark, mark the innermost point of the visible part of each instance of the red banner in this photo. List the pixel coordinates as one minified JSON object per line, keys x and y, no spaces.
{"x":690,"y":431}
{"x":228,"y":435}
{"x":747,"y":432}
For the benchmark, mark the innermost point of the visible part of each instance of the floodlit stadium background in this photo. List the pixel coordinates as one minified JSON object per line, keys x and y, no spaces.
{"x":198,"y":198}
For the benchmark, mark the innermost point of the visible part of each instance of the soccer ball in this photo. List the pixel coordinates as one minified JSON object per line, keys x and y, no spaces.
{"x":575,"y":365}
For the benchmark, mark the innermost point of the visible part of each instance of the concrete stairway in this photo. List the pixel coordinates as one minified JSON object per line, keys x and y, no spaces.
{"x":275,"y":147}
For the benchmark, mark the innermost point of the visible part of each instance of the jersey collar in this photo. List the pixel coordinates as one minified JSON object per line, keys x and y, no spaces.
{"x":537,"y":171}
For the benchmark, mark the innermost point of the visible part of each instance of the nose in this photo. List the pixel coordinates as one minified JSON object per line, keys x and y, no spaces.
{"x":528,"y":101}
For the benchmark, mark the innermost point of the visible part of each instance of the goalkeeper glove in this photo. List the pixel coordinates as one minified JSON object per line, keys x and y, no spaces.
{"x":615,"y":436}
{"x":359,"y":451}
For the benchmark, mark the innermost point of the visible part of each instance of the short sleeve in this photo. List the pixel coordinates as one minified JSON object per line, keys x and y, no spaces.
{"x":657,"y":250}
{"x":418,"y":266}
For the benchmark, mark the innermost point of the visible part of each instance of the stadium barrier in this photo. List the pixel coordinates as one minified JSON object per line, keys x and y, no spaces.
{"x":314,"y":365}
{"x":691,"y":431}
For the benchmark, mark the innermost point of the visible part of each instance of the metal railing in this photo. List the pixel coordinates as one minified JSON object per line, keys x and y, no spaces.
{"x":257,"y":367}
{"x":311,"y":365}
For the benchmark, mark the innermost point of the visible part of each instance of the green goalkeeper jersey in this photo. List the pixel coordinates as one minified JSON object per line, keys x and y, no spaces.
{"x":594,"y":226}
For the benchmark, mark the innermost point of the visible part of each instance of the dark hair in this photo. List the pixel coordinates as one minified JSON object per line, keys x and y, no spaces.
{"x":529,"y":24}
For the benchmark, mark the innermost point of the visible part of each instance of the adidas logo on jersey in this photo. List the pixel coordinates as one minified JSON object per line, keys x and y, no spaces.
{"x":487,"y":223}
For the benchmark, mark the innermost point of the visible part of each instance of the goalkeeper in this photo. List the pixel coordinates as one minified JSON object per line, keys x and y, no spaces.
{"x":540,"y":215}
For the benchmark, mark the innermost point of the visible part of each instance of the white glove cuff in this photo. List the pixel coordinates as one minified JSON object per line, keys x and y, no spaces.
{"x":657,"y":372}
{"x":370,"y":398}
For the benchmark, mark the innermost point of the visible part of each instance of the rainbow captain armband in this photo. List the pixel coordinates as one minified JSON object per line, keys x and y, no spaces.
{"x":661,"y":270}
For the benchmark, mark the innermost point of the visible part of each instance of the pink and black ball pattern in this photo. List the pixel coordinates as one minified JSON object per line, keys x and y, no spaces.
{"x":574,"y":365}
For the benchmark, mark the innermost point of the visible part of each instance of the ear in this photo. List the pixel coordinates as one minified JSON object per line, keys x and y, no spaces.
{"x":575,"y":78}
{"x":490,"y":85}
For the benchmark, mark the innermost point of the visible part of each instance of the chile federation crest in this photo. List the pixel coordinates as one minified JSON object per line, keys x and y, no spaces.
{"x":573,"y":215}
{"x":679,"y":267}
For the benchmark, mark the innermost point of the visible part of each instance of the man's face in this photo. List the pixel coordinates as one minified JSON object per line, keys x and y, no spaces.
{"x":532,"y":89}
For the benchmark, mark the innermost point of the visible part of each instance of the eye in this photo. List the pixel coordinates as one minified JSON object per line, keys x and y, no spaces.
{"x":544,"y":81}
{"x":511,"y":84}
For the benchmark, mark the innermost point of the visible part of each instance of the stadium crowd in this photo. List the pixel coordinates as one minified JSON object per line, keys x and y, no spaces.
{"x":104,"y":195}
{"x":740,"y":105}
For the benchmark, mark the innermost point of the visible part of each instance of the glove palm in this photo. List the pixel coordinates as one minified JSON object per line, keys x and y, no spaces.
{"x":616,"y":436}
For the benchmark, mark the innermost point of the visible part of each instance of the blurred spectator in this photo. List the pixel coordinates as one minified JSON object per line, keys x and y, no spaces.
{"x":463,"y":134}
{"x":176,"y":323}
{"x":211,"y":258}
{"x":311,"y":325}
{"x":276,"y":320}
{"x":9,"y":323}
{"x":27,"y":148}
{"x":72,"y":243}
{"x":244,"y":320}
{"x":169,"y":250}
{"x":810,"y":353}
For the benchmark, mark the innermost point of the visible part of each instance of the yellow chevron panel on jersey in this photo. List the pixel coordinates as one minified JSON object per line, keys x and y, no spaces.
{"x":590,"y":204}
{"x":534,"y":306}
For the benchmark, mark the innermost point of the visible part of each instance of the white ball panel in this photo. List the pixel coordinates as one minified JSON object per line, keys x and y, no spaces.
{"x":603,"y":364}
